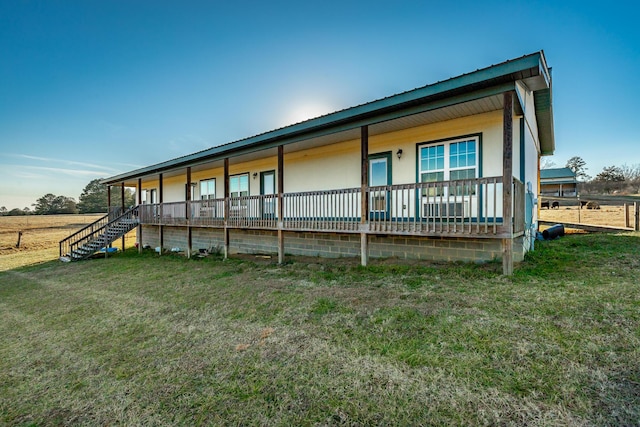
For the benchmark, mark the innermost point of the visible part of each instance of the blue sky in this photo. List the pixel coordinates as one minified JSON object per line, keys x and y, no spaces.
{"x":91,"y":88}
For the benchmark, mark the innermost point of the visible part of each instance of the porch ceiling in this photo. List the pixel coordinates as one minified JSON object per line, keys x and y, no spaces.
{"x":464,"y":109}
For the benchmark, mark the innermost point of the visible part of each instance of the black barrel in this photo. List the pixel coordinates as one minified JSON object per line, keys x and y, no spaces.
{"x":553,"y":232}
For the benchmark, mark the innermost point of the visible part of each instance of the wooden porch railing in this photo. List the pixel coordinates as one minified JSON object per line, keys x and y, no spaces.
{"x":470,"y":207}
{"x":332,"y":210}
{"x":518,"y":206}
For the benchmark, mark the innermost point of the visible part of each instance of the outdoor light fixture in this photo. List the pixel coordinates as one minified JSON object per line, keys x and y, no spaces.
{"x":399,"y":153}
{"x":255,"y":175}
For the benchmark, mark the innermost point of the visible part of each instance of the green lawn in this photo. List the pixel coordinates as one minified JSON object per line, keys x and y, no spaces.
{"x":138,"y":339}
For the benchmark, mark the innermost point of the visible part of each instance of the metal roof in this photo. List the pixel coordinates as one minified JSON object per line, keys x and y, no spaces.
{"x":475,"y":90}
{"x":554,"y":173}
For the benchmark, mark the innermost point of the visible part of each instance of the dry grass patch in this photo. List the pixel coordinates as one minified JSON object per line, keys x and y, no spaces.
{"x":41,"y":235}
{"x":613,"y":216}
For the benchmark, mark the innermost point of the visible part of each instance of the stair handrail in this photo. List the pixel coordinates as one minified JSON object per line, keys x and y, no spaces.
{"x":94,"y":231}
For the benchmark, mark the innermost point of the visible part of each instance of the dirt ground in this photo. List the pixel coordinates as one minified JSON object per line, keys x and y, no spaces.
{"x":607,"y":215}
{"x":40,"y":239}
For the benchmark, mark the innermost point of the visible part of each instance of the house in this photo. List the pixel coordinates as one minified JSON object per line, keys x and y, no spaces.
{"x":448,"y":171}
{"x":558,"y":182}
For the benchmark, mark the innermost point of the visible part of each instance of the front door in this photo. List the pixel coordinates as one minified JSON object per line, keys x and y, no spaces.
{"x":268,"y":188}
{"x":379,"y":175}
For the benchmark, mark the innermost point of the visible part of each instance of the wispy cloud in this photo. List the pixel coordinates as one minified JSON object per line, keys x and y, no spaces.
{"x":70,"y":172}
{"x":28,"y":175}
{"x":105,"y":169}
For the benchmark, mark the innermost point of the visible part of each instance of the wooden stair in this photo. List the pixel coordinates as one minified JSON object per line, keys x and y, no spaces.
{"x":98,"y":235}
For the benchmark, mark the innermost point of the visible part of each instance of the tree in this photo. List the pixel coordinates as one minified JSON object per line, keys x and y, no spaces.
{"x":15,"y":212}
{"x":3,"y":210}
{"x":93,"y":198}
{"x":579,"y":167}
{"x":631,"y":177}
{"x":51,"y":204}
{"x":611,"y":177}
{"x":547,"y":163}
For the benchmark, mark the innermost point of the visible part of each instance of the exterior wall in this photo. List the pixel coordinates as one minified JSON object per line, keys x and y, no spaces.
{"x":531,"y":151}
{"x":568,"y":190}
{"x":333,"y":245}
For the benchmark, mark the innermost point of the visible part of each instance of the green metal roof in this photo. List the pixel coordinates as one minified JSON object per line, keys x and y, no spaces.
{"x":554,"y":173}
{"x":482,"y":82}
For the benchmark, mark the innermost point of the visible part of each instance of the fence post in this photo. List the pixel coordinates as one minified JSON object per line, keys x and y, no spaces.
{"x":626,"y":216}
{"x":636,"y":226}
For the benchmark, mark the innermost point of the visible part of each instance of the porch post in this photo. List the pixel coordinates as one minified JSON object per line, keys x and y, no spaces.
{"x":123,"y":209}
{"x":139,"y":229}
{"x":364,"y":183}
{"x":226,"y":207}
{"x":188,"y":211}
{"x":280,"y":206}
{"x":507,"y":184}
{"x":160,"y":213}
{"x":109,"y":200}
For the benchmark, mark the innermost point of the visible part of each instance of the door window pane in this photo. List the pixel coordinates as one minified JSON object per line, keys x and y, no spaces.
{"x":378,"y":170}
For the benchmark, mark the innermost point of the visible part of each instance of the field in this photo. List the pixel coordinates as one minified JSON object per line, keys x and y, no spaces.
{"x":608,"y":215}
{"x":40,"y":237}
{"x":143,"y":340}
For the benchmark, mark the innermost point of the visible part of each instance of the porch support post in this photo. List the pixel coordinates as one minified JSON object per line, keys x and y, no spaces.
{"x":188,"y":211}
{"x":226,"y":208}
{"x":507,"y":184}
{"x":160,"y":213}
{"x":109,"y":201}
{"x":139,"y":228}
{"x":280,"y":205}
{"x":364,"y":195}
{"x":123,"y":209}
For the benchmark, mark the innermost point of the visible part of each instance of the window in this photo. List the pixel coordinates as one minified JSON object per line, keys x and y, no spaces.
{"x":239,"y":187}
{"x":208,"y":189}
{"x":449,"y":160}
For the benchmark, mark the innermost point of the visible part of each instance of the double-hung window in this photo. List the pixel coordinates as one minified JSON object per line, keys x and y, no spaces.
{"x":238,"y":191}
{"x":208,"y":189}
{"x":450,"y":160}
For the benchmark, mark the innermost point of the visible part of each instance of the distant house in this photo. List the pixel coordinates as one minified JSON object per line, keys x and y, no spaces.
{"x":447,"y":171}
{"x":558,"y":182}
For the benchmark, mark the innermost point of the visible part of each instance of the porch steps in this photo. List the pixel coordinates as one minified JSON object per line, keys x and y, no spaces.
{"x":88,"y":244}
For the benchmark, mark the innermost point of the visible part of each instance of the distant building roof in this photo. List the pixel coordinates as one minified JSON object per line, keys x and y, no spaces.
{"x":557,"y":173}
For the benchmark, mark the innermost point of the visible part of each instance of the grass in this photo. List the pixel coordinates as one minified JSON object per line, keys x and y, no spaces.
{"x":138,"y":339}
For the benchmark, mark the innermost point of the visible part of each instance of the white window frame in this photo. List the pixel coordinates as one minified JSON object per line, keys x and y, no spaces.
{"x":447,"y":156}
{"x":207,"y":195}
{"x":238,"y":205}
{"x":449,"y":195}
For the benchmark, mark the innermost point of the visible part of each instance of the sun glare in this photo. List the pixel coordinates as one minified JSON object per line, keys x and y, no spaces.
{"x":303,"y":112}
